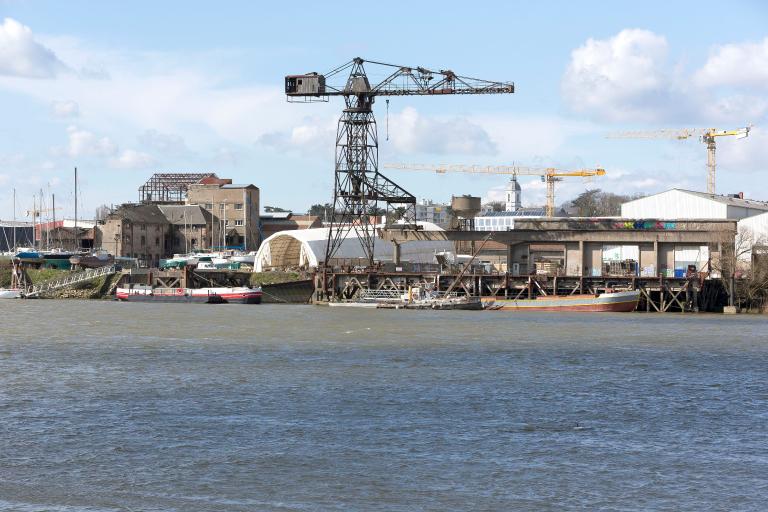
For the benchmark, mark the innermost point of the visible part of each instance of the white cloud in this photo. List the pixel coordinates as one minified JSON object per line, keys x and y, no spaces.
{"x":131,"y":159}
{"x":744,"y":155}
{"x":65,"y":109}
{"x":4,"y":179}
{"x":740,"y":65}
{"x":313,"y":136}
{"x":411,"y":132}
{"x":617,"y":78}
{"x":627,"y":78}
{"x":22,"y":56}
{"x":164,"y":143}
{"x":85,"y":143}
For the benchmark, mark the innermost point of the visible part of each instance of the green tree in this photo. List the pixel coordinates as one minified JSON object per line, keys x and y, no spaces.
{"x":274,"y":209}
{"x":495,"y":206}
{"x":596,"y":203}
{"x":324,"y":211}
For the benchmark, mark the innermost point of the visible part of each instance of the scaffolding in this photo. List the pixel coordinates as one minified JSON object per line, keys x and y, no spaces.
{"x":170,"y":187}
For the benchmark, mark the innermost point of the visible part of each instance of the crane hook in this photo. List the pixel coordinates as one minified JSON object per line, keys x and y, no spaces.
{"x":387,"y":119}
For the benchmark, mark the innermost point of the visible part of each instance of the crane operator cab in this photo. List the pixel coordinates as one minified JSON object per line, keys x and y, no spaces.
{"x":305,"y":87}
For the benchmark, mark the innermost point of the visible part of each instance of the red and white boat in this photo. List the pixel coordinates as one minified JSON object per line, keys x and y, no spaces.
{"x":144,"y":293}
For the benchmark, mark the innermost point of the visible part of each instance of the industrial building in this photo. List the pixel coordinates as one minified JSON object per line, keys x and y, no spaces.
{"x":686,"y":204}
{"x":434,"y":213}
{"x":274,"y":222}
{"x":232,"y":209}
{"x":752,"y":236}
{"x":67,"y":234}
{"x":13,"y":232}
{"x":191,"y":227}
{"x":140,"y":231}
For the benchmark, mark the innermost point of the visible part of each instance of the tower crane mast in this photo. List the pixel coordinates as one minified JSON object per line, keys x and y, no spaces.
{"x":706,"y":135}
{"x":358,"y":184}
{"x":549,"y":175}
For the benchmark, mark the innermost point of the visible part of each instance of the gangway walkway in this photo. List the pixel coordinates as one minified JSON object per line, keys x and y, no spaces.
{"x":70,"y":280}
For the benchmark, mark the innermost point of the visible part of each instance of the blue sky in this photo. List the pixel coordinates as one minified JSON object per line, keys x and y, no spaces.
{"x":121,"y":90}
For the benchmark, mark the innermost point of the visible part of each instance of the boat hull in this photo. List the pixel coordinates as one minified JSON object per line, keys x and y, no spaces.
{"x":194,"y":296}
{"x":618,"y":302}
{"x":7,"y":293}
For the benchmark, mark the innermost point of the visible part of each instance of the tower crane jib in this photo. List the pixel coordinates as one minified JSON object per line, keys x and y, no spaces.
{"x":706,"y":135}
{"x":549,"y":175}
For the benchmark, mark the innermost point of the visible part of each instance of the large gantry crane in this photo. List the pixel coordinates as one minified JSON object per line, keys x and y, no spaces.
{"x":549,"y":175}
{"x":706,"y":135}
{"x":358,"y":185}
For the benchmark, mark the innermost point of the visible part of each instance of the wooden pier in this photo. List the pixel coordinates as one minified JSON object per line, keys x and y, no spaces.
{"x":658,"y":294}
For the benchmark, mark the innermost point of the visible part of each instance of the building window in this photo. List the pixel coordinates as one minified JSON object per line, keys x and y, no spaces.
{"x":208,"y":206}
{"x":157,"y":241}
{"x":238,"y":206}
{"x":143,"y":240}
{"x":143,"y":227}
{"x":239,"y":223}
{"x":193,"y":242}
{"x":222,"y":206}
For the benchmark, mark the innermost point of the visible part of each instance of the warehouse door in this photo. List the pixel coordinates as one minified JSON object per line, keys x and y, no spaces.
{"x":621,"y":260}
{"x":686,"y":256}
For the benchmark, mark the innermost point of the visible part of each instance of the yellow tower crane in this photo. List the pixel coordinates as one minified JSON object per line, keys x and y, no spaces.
{"x":706,"y":135}
{"x":549,"y":175}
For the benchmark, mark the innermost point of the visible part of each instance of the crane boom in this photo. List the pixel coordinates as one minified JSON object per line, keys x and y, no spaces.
{"x":548,"y":174}
{"x":706,"y":135}
{"x":400,"y":81}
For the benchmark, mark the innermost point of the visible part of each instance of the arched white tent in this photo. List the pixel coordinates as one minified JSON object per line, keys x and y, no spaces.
{"x":306,"y":248}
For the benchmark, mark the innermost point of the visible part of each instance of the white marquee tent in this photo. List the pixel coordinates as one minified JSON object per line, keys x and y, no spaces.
{"x":306,"y":248}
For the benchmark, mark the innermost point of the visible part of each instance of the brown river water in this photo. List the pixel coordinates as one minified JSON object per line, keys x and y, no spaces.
{"x":108,"y":406}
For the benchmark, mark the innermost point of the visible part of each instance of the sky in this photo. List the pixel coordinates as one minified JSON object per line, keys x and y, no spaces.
{"x":121,"y":90}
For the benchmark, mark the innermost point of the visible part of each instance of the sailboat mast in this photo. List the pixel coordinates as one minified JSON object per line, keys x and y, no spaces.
{"x":77,"y":237}
{"x":14,"y":220}
{"x":53,"y":209}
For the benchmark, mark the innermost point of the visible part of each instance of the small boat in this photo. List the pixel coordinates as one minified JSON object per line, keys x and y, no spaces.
{"x":10,"y":293}
{"x":414,"y":298}
{"x":94,"y":260}
{"x":248,"y":259}
{"x":29,"y":256}
{"x":144,"y":293}
{"x":605,"y":302}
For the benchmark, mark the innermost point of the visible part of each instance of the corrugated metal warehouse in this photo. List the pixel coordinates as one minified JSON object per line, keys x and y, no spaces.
{"x":686,"y":204}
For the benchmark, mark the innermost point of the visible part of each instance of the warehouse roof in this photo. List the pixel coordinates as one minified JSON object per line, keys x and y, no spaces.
{"x":731,"y":200}
{"x":184,"y":214}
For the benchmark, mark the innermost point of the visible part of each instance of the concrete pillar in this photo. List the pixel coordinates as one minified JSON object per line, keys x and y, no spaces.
{"x":509,"y":258}
{"x":581,"y":257}
{"x":396,"y":253}
{"x":656,"y":257}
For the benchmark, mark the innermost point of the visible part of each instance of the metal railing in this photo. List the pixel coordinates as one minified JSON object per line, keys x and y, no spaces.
{"x":70,"y":280}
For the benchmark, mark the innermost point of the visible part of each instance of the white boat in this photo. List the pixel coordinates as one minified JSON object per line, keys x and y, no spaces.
{"x":10,"y":293}
{"x":248,"y":259}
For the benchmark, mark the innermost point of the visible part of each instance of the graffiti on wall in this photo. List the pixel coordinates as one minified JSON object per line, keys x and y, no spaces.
{"x":644,"y":224}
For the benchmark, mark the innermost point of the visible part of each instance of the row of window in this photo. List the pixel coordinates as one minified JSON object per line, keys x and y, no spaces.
{"x":222,"y":206}
{"x":494,"y":223}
